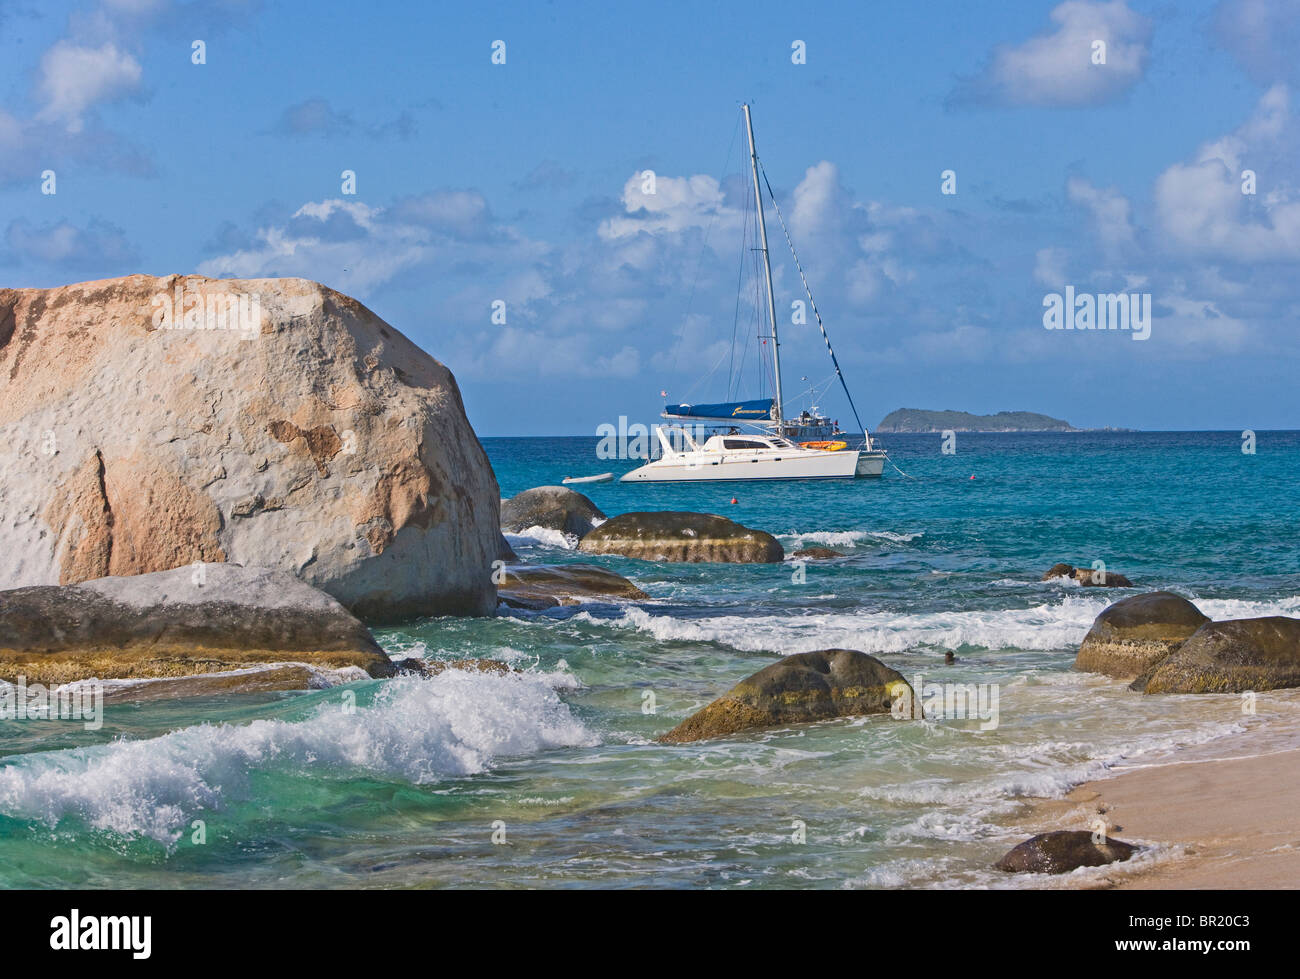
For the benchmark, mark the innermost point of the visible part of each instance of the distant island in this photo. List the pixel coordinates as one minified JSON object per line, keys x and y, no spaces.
{"x":921,"y":420}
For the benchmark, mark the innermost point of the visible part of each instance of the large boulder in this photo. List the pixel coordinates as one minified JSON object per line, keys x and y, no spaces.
{"x":1063,"y":851}
{"x":541,"y":586}
{"x":193,"y":620}
{"x":678,"y":536}
{"x":550,"y":507}
{"x":1088,"y":577}
{"x":1132,"y":635}
{"x":1232,"y":656}
{"x":801,"y":688}
{"x":140,"y":432}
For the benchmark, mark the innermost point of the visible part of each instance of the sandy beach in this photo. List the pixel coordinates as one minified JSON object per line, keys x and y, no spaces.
{"x":1234,"y":819}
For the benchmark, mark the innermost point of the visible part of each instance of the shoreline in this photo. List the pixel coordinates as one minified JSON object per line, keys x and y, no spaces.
{"x":1230,"y":820}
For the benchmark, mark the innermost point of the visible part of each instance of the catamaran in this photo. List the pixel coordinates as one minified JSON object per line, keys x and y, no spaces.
{"x":807,"y":446}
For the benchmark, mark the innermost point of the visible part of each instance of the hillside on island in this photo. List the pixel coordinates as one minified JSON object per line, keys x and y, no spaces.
{"x":922,"y":420}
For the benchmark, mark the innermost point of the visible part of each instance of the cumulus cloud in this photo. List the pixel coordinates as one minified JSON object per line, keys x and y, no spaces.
{"x":1199,"y":325}
{"x":669,"y":204}
{"x":859,"y":254}
{"x":322,"y":239}
{"x":74,"y":78}
{"x":1111,"y":214}
{"x":458,"y":212}
{"x":1200,"y":204}
{"x":820,"y":201}
{"x":1057,"y":68}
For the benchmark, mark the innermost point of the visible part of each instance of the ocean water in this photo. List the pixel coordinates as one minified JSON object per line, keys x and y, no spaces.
{"x":550,"y":777}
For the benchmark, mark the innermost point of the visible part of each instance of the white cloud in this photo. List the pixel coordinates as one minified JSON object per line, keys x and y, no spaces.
{"x":1199,"y":325}
{"x":1057,"y":69}
{"x":1200,"y":205}
{"x":1111,"y":214}
{"x":678,"y":203}
{"x":374,"y":245}
{"x":819,"y":201}
{"x":459,"y":212}
{"x":73,"y":79}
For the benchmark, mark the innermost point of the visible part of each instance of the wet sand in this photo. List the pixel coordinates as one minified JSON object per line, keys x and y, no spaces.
{"x":1236,"y":820}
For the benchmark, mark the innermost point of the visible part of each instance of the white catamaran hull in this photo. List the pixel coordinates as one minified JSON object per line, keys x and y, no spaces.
{"x":810,"y":464}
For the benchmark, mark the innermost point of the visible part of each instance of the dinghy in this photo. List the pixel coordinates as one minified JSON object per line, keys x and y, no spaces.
{"x":602,"y":478}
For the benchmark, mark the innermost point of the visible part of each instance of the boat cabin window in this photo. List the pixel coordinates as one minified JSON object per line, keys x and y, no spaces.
{"x":743,"y":444}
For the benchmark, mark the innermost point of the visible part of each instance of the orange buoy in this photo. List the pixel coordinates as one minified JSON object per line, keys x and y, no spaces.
{"x":734,"y":500}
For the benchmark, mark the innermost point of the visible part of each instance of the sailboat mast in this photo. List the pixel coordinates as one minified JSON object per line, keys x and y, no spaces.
{"x":767,"y":267}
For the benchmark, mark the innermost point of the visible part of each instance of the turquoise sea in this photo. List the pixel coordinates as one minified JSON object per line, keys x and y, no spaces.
{"x":550,"y":777}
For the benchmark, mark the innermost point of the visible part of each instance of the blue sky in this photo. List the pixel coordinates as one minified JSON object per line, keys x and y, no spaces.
{"x":520,"y":181}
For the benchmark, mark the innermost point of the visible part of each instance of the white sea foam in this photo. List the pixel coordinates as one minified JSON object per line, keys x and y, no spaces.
{"x":1042,"y":627}
{"x":1046,"y":770}
{"x":847,"y":538}
{"x":417,"y":729}
{"x":944,"y":824}
{"x":1236,"y":608}
{"x":1049,"y":626}
{"x":545,"y":536}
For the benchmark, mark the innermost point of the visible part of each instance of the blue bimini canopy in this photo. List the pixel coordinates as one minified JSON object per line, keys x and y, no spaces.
{"x":757,"y":410}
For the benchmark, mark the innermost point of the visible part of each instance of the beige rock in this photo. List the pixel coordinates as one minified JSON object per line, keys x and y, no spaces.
{"x":800,"y":689}
{"x":180,"y":623}
{"x":1088,"y":577}
{"x":542,"y":586}
{"x":1232,"y":656}
{"x":669,"y":535}
{"x":1134,"y":634}
{"x":312,"y":438}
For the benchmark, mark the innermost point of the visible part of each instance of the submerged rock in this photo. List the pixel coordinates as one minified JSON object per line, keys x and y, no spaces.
{"x":209,"y":619}
{"x":817,"y":553}
{"x":540,"y":586}
{"x":144,"y":426}
{"x":551,"y":507}
{"x":433,"y":667}
{"x":1088,"y":577}
{"x":1134,"y":634}
{"x":1231,"y":656}
{"x":801,"y":688}
{"x":679,"y":536}
{"x":1063,"y":851}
